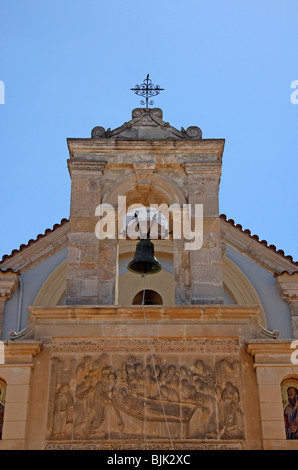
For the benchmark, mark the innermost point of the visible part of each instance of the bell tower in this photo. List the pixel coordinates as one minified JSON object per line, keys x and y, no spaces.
{"x":143,"y":352}
{"x":148,"y":162}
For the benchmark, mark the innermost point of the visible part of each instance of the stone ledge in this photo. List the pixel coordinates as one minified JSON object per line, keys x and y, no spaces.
{"x":118,"y":314}
{"x":271,"y":353}
{"x":21,"y":351}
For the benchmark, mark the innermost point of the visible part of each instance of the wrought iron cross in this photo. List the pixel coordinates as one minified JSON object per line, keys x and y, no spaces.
{"x":147,"y":89}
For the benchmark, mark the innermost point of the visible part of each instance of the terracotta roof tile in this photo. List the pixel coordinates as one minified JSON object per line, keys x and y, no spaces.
{"x":32,"y":241}
{"x":285,"y":272}
{"x":9,"y":270}
{"x":255,"y":237}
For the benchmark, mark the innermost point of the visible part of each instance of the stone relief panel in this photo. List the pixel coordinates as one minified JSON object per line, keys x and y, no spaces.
{"x":116,"y":389}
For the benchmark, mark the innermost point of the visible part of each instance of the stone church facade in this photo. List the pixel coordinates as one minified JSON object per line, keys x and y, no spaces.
{"x":207,"y":363}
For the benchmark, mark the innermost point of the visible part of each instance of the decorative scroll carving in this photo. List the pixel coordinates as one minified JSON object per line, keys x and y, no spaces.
{"x":98,"y":132}
{"x":275,"y":334}
{"x":139,"y":112}
{"x":115,"y":395}
{"x":25,"y":333}
{"x":194,"y":132}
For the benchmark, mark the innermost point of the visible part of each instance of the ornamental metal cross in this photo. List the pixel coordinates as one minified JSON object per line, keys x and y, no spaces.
{"x":147,"y":89}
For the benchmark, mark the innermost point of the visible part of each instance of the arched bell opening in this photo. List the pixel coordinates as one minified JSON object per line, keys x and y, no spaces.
{"x":130,"y":284}
{"x":150,"y":297}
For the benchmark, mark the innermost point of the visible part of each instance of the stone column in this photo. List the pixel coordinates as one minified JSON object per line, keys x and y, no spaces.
{"x":181,"y":265}
{"x":8,"y":285}
{"x":272,"y":365}
{"x":16,"y":371}
{"x":107,"y":270}
{"x":206,"y":262}
{"x":287,"y":285}
{"x":83,"y":258}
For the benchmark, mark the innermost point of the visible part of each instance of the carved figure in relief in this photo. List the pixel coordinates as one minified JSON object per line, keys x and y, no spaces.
{"x":172,"y":376}
{"x":204,"y":398}
{"x":185,"y":373}
{"x":99,"y":365}
{"x":204,"y":373}
{"x":84,"y":396}
{"x":225,"y":371}
{"x":230,"y":421}
{"x":83,"y":369}
{"x":63,"y":409}
{"x":187,"y":392}
{"x":139,"y":372}
{"x":169,"y":394}
{"x":135,"y":403}
{"x":103,"y":402}
{"x":208,"y":403}
{"x":100,"y":400}
{"x":150,"y":383}
{"x":111,"y":388}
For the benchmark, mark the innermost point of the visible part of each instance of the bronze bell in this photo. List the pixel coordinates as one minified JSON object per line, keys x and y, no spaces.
{"x":144,"y":261}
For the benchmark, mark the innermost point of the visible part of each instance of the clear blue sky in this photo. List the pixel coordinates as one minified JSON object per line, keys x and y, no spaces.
{"x":226,"y":66}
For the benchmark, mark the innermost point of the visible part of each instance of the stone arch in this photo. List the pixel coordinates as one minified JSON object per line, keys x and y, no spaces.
{"x":236,"y":284}
{"x":159,"y":184}
{"x":151,"y":297}
{"x":131,"y":284}
{"x":53,"y":289}
{"x":239,"y":287}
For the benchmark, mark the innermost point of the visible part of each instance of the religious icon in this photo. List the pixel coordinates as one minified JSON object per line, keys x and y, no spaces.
{"x":2,"y":404}
{"x":290,"y":406}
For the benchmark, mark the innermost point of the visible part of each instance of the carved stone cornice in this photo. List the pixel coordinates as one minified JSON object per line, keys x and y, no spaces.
{"x":274,"y":351}
{"x":195,"y":168}
{"x":8,"y":284}
{"x":86,"y":165}
{"x":21,"y":352}
{"x":125,"y":152}
{"x":287,"y":285}
{"x":205,"y":171}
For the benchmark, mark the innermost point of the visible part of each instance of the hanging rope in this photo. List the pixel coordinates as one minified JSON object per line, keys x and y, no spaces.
{"x":153,"y":363}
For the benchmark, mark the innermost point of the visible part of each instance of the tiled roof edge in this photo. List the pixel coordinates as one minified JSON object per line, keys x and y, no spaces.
{"x":30,"y":242}
{"x":285,"y":272}
{"x":255,"y":237}
{"x":9,"y":270}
